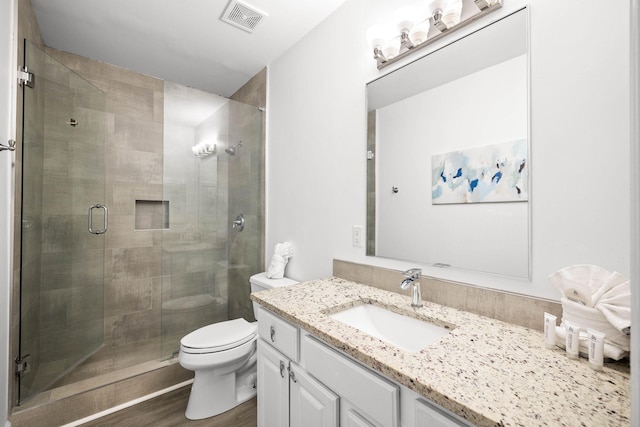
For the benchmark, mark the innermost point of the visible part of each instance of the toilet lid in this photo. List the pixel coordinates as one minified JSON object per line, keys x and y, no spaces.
{"x":220,"y":336}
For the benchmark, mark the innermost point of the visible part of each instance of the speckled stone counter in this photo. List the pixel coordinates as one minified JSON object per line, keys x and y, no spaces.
{"x":487,"y":371}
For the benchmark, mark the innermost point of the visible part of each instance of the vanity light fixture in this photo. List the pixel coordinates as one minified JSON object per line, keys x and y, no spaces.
{"x":419,"y":24}
{"x":204,"y":148}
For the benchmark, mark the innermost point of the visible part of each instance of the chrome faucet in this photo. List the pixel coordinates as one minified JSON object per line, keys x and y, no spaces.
{"x":413,"y":277}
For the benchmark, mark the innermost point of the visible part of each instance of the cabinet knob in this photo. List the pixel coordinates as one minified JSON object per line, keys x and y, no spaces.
{"x":282,"y":369}
{"x":272,"y":332}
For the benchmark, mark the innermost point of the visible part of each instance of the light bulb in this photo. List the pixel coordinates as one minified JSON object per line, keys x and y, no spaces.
{"x":420,"y":32}
{"x":436,"y":5}
{"x":375,"y":35}
{"x":391,"y":48}
{"x":405,"y":16}
{"x":451,"y":15}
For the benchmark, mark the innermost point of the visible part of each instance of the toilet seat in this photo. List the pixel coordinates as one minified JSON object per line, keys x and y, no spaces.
{"x":219,"y":337}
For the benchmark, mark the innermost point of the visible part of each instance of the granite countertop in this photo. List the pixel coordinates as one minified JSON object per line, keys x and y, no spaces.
{"x":490,"y":372}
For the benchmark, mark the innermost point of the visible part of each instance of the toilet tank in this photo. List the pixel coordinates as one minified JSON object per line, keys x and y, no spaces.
{"x":260,"y":282}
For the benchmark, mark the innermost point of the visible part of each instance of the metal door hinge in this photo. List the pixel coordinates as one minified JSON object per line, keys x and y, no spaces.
{"x":23,"y":365}
{"x":25,"y":77}
{"x":11,"y":145}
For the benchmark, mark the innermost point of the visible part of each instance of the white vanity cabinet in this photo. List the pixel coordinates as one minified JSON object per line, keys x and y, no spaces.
{"x":288,"y":396}
{"x":302,"y":381}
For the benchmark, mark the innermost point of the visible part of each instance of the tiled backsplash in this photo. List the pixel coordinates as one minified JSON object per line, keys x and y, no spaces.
{"x":509,"y":307}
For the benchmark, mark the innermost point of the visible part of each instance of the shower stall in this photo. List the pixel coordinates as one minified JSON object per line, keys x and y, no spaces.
{"x":127,"y":236}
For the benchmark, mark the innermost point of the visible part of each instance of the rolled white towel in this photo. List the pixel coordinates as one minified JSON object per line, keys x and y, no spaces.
{"x":591,"y":317}
{"x":276,"y":267}
{"x":578,"y":282}
{"x":613,"y":299}
{"x":285,"y":250}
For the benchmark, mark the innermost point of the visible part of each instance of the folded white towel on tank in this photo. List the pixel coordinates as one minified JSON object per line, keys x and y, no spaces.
{"x":283,"y":251}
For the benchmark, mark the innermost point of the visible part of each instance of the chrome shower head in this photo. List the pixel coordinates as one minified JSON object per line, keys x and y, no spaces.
{"x":232,"y":150}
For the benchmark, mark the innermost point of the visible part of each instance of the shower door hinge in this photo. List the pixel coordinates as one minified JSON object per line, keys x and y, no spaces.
{"x":25,"y":77}
{"x":23,"y":365}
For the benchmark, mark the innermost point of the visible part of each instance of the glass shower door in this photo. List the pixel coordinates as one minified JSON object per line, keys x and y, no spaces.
{"x":63,"y":222}
{"x":206,"y":261}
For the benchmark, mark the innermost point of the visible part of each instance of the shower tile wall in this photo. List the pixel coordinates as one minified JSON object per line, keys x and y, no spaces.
{"x":246,"y":196}
{"x":133,"y":153}
{"x":371,"y":184}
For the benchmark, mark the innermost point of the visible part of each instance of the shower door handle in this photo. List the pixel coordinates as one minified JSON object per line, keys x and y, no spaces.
{"x":105,"y":220}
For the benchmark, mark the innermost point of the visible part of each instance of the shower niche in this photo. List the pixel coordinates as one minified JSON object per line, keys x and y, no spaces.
{"x":152,"y":215}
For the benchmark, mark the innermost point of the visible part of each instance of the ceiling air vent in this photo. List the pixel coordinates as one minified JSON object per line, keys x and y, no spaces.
{"x":242,"y":16}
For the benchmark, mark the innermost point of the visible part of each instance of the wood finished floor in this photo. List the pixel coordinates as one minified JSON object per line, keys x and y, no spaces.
{"x":168,"y":411}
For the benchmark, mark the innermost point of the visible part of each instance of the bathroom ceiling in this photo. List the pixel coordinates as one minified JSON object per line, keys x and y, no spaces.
{"x":183,"y":41}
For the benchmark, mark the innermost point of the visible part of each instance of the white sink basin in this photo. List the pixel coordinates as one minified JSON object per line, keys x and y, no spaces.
{"x":404,"y":332}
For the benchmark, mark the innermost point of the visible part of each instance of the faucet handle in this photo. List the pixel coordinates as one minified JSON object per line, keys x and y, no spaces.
{"x":413,"y":273}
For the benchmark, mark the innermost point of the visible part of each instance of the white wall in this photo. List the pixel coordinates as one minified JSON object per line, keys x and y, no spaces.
{"x":580,"y":143}
{"x":8,"y":10}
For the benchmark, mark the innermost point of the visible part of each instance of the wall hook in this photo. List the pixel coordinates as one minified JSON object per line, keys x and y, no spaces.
{"x":238,"y":224}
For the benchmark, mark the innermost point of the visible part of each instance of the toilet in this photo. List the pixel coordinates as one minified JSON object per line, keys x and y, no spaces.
{"x":223,"y":357}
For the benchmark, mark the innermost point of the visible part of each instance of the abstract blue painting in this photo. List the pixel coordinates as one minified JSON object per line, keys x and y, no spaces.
{"x":493,"y":173}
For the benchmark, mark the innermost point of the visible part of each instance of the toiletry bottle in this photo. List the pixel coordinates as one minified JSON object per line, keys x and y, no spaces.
{"x":549,"y":331}
{"x":596,"y":349}
{"x":573,"y":340}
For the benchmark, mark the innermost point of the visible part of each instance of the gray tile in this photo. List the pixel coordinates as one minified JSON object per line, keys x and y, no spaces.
{"x":122,"y":297}
{"x":135,"y":263}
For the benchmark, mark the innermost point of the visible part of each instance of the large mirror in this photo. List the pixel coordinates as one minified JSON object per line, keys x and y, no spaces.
{"x":448,"y":168}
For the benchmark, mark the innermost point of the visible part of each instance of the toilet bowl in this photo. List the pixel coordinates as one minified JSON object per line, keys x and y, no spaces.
{"x":223,"y":357}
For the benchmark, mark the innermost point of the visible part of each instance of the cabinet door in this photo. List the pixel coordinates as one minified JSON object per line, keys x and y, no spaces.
{"x":273,"y":387}
{"x":311,"y":403}
{"x":353,"y":419}
{"x":429,"y":415}
{"x":372,"y":395}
